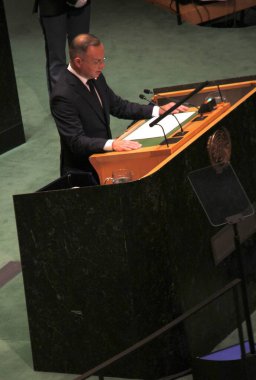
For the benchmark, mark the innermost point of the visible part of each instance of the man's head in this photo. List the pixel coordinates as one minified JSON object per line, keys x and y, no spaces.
{"x":87,"y":55}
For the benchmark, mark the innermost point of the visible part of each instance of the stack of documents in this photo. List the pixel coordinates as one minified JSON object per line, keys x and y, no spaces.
{"x":169,"y":123}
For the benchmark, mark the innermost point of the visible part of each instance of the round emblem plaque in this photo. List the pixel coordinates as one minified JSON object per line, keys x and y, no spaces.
{"x":219,"y":148}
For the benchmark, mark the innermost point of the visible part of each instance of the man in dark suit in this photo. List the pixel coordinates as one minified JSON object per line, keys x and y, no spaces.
{"x":60,"y":20}
{"x":81,"y":105}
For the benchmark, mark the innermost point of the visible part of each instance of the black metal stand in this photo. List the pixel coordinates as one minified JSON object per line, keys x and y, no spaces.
{"x":179,"y":21}
{"x":225,"y":202}
{"x":244,"y":290}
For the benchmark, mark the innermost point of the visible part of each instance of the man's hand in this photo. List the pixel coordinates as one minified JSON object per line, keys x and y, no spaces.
{"x":167,"y":106}
{"x":124,"y":145}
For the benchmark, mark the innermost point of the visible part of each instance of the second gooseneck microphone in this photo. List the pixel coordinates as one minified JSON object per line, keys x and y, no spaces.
{"x":142,"y":96}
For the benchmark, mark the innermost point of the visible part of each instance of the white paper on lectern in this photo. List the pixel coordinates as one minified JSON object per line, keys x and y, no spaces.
{"x":169,"y":123}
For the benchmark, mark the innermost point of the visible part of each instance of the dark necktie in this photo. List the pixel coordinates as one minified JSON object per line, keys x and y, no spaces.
{"x":93,"y":91}
{"x":99,"y":104}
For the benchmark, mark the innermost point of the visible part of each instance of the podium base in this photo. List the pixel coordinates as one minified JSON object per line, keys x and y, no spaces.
{"x":225,"y":364}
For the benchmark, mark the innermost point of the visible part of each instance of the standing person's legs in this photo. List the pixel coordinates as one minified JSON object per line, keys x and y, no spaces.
{"x":78,"y":21}
{"x":55,"y":34}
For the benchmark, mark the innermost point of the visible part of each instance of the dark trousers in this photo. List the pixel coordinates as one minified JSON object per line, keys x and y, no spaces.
{"x":56,"y":30}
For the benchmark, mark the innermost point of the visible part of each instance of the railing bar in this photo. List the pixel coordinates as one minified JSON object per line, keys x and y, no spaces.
{"x":160,"y":331}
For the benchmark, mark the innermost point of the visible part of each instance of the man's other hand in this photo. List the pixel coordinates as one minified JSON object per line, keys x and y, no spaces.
{"x":167,"y":106}
{"x":124,"y":145}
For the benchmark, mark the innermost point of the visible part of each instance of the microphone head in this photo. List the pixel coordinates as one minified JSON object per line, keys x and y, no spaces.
{"x":147,"y":91}
{"x":142,"y":97}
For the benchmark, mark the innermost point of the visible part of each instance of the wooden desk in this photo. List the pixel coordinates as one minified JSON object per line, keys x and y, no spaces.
{"x":198,"y":14}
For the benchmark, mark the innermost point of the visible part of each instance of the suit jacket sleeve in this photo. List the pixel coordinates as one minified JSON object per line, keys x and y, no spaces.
{"x":124,"y":109}
{"x":82,"y":131}
{"x":67,"y":117}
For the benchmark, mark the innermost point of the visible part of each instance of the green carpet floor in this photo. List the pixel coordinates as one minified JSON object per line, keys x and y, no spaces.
{"x":145,"y":49}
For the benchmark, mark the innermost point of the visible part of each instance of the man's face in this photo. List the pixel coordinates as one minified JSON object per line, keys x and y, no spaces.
{"x":91,"y":63}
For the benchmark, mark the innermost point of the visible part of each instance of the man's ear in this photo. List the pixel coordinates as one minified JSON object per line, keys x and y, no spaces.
{"x":77,"y":61}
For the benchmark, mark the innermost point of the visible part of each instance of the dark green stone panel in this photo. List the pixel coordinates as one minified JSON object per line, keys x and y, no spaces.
{"x":106,"y":266}
{"x":11,"y":127}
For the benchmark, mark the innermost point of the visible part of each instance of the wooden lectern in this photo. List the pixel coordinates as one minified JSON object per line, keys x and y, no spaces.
{"x":105,"y":266}
{"x":147,"y":160}
{"x":200,"y":14}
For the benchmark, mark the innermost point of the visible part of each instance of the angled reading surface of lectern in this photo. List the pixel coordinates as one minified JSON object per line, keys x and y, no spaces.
{"x":105,"y":266}
{"x":156,"y":154}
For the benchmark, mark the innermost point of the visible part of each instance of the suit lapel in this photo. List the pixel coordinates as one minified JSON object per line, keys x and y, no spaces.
{"x":86,"y":95}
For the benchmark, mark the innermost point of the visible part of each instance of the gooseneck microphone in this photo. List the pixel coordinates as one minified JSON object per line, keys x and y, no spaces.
{"x":220,"y":93}
{"x":147,"y":91}
{"x":182,"y":101}
{"x":148,"y":100}
{"x":155,"y":104}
